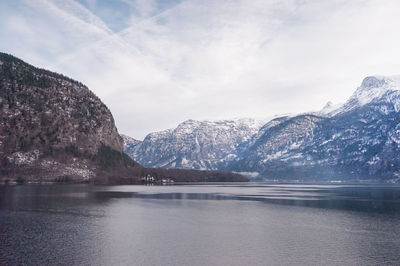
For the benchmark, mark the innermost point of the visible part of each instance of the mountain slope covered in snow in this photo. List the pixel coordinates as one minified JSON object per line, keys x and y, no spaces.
{"x":193,"y":144}
{"x":359,"y":139}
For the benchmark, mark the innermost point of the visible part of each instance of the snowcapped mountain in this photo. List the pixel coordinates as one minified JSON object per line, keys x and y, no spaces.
{"x":193,"y":144}
{"x":372,"y":89}
{"x":356,"y":140}
{"x":359,"y":139}
{"x":375,"y":89}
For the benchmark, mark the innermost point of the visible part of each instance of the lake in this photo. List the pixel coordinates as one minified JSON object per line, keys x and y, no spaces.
{"x":200,"y":224}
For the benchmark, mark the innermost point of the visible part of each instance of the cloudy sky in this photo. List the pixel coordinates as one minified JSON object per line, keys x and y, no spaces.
{"x":156,"y":63}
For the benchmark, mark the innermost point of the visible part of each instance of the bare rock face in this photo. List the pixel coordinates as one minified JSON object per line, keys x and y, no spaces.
{"x":44,"y":115}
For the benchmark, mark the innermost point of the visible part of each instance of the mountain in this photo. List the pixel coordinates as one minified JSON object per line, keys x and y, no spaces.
{"x":373,"y":89}
{"x":53,"y":128}
{"x":357,"y":140}
{"x":129,"y":144}
{"x":206,"y":145}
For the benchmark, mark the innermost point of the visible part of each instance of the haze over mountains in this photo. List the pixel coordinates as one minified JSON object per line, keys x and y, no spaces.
{"x":356,"y":140}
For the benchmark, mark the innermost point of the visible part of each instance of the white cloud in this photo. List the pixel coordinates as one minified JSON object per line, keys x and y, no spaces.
{"x":209,"y":59}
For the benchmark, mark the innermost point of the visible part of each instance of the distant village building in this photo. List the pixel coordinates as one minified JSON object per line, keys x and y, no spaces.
{"x":148,"y":178}
{"x":167,"y":181}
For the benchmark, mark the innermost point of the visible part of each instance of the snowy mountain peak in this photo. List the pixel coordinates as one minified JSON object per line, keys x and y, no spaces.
{"x":374,"y":82}
{"x":329,"y":109}
{"x":328,"y":105}
{"x":187,"y":126}
{"x":373,"y":88}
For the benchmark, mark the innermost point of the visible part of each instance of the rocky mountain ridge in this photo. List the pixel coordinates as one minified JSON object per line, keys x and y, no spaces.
{"x":356,"y":140}
{"x":205,"y":145}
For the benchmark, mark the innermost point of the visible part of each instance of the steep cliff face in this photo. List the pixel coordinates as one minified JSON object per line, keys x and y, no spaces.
{"x":50,"y":125}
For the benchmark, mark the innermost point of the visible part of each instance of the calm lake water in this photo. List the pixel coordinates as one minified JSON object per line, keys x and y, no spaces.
{"x":218,"y":224}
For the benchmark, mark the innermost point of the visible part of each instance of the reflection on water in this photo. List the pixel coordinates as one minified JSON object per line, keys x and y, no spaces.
{"x":214,"y":224}
{"x":361,"y":198}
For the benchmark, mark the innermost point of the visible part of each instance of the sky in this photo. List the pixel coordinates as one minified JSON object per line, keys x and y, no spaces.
{"x":156,"y":63}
